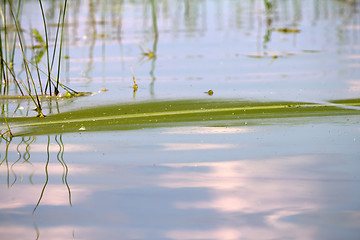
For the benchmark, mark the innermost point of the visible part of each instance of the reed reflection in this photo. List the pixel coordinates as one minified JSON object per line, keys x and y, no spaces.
{"x":16,"y":160}
{"x":156,"y":38}
{"x":91,"y":36}
{"x":20,"y":151}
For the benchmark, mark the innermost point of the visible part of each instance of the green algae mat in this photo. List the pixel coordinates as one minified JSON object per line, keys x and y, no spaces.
{"x":174,"y":113}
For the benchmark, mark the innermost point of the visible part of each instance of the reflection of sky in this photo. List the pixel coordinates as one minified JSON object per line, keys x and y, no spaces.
{"x":278,"y":190}
{"x":263,"y":182}
{"x":27,"y":180}
{"x":36,"y":147}
{"x":56,"y":195}
{"x":354,"y":86}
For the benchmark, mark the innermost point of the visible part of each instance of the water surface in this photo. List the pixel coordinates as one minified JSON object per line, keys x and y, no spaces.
{"x":293,"y":181}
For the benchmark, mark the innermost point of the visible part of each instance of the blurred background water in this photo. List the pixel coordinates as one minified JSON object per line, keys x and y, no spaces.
{"x":231,"y":47}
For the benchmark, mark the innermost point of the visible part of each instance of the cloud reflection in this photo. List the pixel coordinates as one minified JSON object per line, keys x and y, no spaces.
{"x":221,"y":233}
{"x":195,"y":146}
{"x":56,"y":195}
{"x":20,"y":195}
{"x":240,"y":185}
{"x":53,"y":233}
{"x":268,"y":189}
{"x":354,"y":86}
{"x":209,"y":130}
{"x":42,"y":147}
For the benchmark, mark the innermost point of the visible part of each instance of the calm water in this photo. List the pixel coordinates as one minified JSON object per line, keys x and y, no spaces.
{"x":269,"y":179}
{"x":294,"y":181}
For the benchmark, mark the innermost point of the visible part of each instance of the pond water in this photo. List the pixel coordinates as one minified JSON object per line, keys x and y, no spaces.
{"x":290,"y":178}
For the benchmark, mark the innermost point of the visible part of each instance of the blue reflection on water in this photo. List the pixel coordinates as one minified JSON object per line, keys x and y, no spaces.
{"x":293,"y":181}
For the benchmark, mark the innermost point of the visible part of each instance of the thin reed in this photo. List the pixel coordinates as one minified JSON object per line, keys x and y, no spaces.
{"x":24,"y":77}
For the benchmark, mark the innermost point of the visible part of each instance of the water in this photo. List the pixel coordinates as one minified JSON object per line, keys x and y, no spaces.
{"x":266,"y":179}
{"x":292,"y":181}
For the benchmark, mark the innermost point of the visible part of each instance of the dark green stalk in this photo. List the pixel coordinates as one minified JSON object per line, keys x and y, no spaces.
{"x":66,"y":88}
{"x":56,"y":40}
{"x":9,"y":58}
{"x":61,"y":40}
{"x":47,"y":49}
{"x":27,"y":69}
{"x":4,"y":51}
{"x":38,"y":74}
{"x":2,"y":66}
{"x":38,"y":56}
{"x":37,"y":102}
{"x":12,"y":55}
{"x":12,"y":74}
{"x":29,"y":76}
